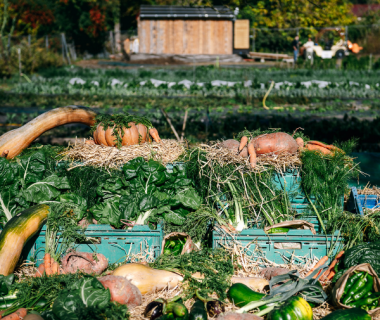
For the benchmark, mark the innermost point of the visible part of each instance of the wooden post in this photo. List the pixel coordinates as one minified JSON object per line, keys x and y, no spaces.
{"x":9,"y":44}
{"x":184,"y":124}
{"x":29,"y":40}
{"x":170,"y":123}
{"x":253,"y":40}
{"x":62,"y":47}
{"x":47,"y":42}
{"x":19,"y":61}
{"x":112,"y":43}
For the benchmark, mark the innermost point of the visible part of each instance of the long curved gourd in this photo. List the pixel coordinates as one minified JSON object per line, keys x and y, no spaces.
{"x":15,"y":141}
{"x":17,"y":232}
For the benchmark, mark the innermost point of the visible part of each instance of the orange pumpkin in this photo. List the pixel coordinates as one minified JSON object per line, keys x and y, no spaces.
{"x":135,"y":134}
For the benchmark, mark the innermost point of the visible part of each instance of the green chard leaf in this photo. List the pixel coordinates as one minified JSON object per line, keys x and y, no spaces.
{"x":107,"y":212}
{"x":132,"y":167}
{"x":39,"y":192}
{"x":129,"y":207}
{"x":174,"y":218}
{"x":189,"y":198}
{"x":58,"y":182}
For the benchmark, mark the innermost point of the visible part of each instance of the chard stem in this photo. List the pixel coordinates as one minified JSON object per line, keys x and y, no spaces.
{"x":255,"y":304}
{"x":265,"y":311}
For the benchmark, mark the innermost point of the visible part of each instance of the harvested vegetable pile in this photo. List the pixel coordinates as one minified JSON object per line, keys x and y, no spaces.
{"x":102,"y":156}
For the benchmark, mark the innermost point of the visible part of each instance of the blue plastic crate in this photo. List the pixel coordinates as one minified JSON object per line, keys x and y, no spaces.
{"x":296,"y":246}
{"x":115,"y":244}
{"x":357,"y":202}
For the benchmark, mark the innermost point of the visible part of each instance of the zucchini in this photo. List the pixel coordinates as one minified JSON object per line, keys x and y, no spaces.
{"x":278,"y":230}
{"x":241,"y":295}
{"x":17,"y":232}
{"x":348,"y":314}
{"x":198,"y":311}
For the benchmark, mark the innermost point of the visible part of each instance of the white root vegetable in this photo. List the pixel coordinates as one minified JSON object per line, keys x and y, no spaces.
{"x":146,"y":279}
{"x":239,"y":316}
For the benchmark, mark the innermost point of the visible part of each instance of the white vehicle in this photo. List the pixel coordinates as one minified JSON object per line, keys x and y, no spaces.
{"x":329,"y":50}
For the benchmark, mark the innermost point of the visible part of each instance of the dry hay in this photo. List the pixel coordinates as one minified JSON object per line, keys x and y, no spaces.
{"x":368,"y":190}
{"x":25,"y":269}
{"x":111,"y":157}
{"x":222,"y":156}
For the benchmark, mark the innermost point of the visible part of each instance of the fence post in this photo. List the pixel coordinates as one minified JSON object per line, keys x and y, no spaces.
{"x":9,"y":44}
{"x":47,"y":42}
{"x":370,"y":62}
{"x":346,"y":33}
{"x":29,"y":40}
{"x":112,"y":44}
{"x":19,"y":61}
{"x":63,"y":49}
{"x":66,"y":50}
{"x":253,"y":39}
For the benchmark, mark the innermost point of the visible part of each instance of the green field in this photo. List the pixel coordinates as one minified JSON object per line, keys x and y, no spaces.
{"x":346,"y":106}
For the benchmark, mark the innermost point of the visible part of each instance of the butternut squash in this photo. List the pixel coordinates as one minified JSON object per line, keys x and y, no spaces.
{"x":146,"y":279}
{"x":17,"y":232}
{"x":15,"y":141}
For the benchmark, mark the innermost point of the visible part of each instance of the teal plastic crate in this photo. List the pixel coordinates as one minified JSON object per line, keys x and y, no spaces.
{"x":290,"y":181}
{"x":296,"y":246}
{"x":115,"y":244}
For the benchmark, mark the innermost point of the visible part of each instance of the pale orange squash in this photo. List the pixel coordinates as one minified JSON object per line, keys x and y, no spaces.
{"x":135,"y":134}
{"x":15,"y":141}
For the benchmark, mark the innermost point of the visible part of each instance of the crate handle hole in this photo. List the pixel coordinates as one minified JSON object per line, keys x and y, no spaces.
{"x":90,"y":241}
{"x":288,"y":245}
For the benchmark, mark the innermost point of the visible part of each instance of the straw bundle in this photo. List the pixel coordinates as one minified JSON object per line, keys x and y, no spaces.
{"x":367,"y":190}
{"x":216,"y":153}
{"x":110,"y":157}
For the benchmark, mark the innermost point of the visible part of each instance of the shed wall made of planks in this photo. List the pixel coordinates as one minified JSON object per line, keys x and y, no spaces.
{"x":185,"y":36}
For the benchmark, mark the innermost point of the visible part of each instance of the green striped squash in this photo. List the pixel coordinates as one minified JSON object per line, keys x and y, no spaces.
{"x":17,"y":232}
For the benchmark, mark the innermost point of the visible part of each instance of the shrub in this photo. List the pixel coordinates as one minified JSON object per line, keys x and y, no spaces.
{"x":33,"y":58}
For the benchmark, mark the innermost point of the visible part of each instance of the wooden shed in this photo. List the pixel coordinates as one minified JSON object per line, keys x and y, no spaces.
{"x":185,"y":30}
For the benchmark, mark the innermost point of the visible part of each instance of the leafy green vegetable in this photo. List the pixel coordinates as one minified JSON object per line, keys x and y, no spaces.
{"x":62,"y":230}
{"x":363,"y":253}
{"x":6,"y":283}
{"x":216,"y":265}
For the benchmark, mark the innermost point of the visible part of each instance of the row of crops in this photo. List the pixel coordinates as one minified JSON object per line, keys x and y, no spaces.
{"x":203,"y":81}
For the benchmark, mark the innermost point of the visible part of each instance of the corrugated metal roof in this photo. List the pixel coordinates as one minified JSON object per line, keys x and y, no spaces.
{"x":182,"y":12}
